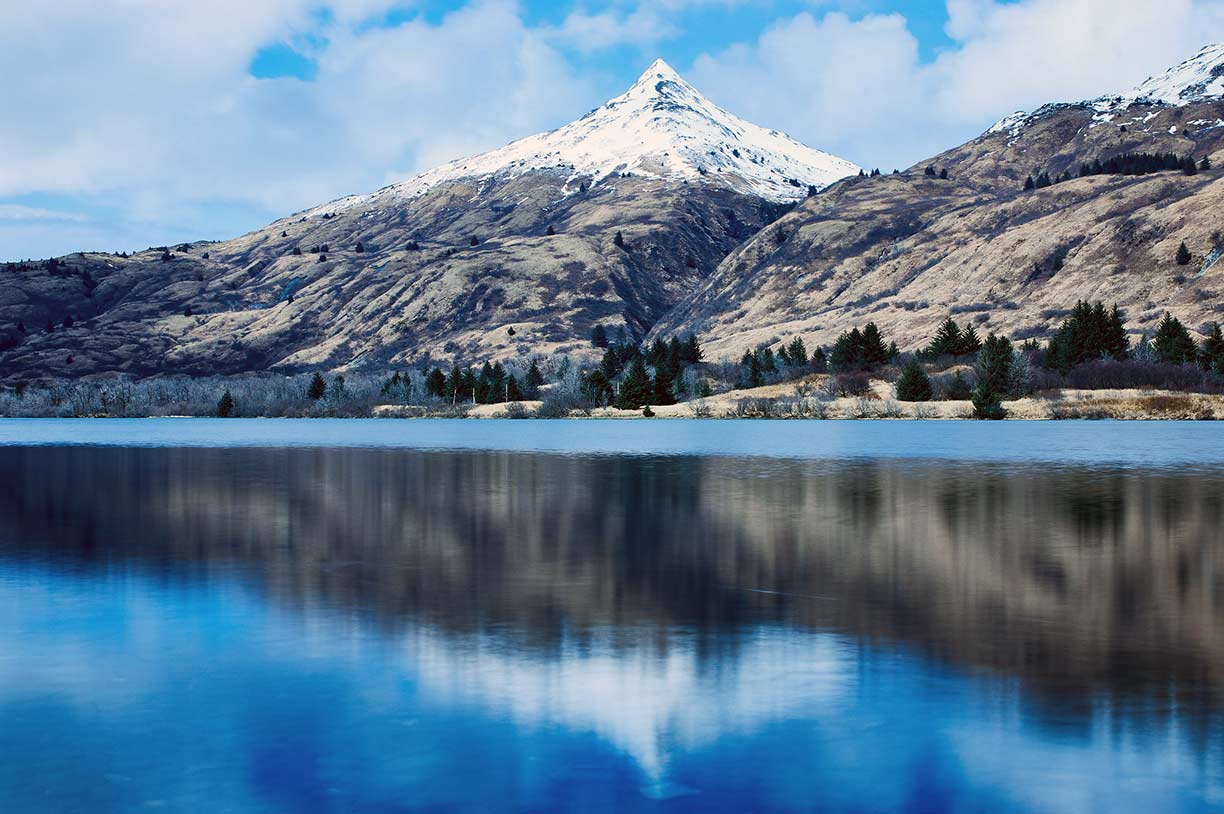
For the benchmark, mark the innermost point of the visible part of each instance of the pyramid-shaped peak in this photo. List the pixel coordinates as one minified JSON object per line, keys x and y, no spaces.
{"x":656,"y":80}
{"x":659,"y":70}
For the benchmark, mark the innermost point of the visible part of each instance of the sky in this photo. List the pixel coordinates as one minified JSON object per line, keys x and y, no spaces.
{"x":131,"y":123}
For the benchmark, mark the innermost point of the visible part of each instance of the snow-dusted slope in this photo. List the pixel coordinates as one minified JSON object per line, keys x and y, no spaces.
{"x":661,"y":128}
{"x":1198,"y":79}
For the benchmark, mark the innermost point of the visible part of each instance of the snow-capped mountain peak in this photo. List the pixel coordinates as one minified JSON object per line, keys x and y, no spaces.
{"x":661,"y":128}
{"x":1198,"y":79}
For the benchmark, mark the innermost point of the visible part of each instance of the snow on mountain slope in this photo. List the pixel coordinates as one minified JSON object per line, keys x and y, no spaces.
{"x":1198,"y":79}
{"x":661,"y":128}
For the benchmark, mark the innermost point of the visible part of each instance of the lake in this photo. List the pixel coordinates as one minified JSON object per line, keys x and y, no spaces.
{"x":611,"y":616}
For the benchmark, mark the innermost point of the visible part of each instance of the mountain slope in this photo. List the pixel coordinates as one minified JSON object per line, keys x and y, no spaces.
{"x":503,"y":254}
{"x":907,"y":250}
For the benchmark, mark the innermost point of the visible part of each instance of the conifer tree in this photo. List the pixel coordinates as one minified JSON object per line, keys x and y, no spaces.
{"x":914,"y":384}
{"x":1183,"y":255}
{"x":318,"y":387}
{"x":959,"y":389}
{"x":597,"y":388}
{"x":947,"y":340}
{"x":986,"y":403}
{"x":1205,"y":164}
{"x":1212,"y":355}
{"x":692,"y":350}
{"x":636,"y":389}
{"x":455,"y":390}
{"x":513,"y":391}
{"x":657,"y":353}
{"x":619,"y":240}
{"x":435,"y":383}
{"x":663,"y":388}
{"x":225,"y":406}
{"x":994,"y":364}
{"x":1029,"y":183}
{"x":874,"y":351}
{"x":768,"y":363}
{"x":797,"y":352}
{"x":534,"y":381}
{"x":969,"y":341}
{"x":1172,"y":343}
{"x":599,"y":336}
{"x":820,"y":361}
{"x":751,"y":370}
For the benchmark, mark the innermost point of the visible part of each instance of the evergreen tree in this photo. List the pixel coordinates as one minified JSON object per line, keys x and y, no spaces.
{"x":874,"y":351}
{"x":455,"y":389}
{"x":225,"y":406}
{"x":435,"y":383}
{"x":959,"y":389}
{"x":657,"y":353}
{"x":497,"y":383}
{"x":551,"y":231}
{"x":943,"y":174}
{"x":468,"y":386}
{"x":820,"y":361}
{"x":663,"y":392}
{"x":318,"y":387}
{"x":1188,"y":166}
{"x":751,"y":370}
{"x":692,"y":350}
{"x":1212,"y":355}
{"x":611,"y":364}
{"x":1029,"y":183}
{"x":768,"y":363}
{"x":1089,"y":333}
{"x":796,"y":351}
{"x":636,"y":389}
{"x":513,"y":391}
{"x":1183,"y":255}
{"x":1205,"y":164}
{"x":1172,"y":343}
{"x":969,"y":342}
{"x":596,"y":388}
{"x":930,"y":172}
{"x":336,"y":389}
{"x":994,"y":365}
{"x":619,"y":240}
{"x":847,"y":353}
{"x":599,"y":336}
{"x":534,"y":381}
{"x":68,"y":321}
{"x":986,"y":403}
{"x":914,"y":384}
{"x":947,"y":340}
{"x":359,"y":248}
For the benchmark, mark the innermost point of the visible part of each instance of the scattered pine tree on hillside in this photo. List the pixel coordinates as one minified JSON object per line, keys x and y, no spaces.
{"x":1183,"y":255}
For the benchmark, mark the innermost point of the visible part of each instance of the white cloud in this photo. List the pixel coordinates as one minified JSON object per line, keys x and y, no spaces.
{"x":856,"y":86}
{"x":150,"y":101}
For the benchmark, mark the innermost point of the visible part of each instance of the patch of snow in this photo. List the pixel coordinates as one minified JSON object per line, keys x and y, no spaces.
{"x":661,"y":128}
{"x":1198,"y":79}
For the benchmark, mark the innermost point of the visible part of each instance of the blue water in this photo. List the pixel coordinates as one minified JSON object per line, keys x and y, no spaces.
{"x":1157,"y":443}
{"x":273,"y":616}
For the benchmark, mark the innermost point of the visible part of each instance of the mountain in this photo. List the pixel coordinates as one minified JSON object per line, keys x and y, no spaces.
{"x":907,"y":250}
{"x":613,"y":220}
{"x":662,"y":128}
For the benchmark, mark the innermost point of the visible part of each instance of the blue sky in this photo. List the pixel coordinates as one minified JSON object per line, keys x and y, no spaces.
{"x":155,"y":121}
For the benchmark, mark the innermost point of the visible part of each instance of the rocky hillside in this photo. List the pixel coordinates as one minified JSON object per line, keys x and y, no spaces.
{"x":512,"y":252}
{"x":907,"y":249}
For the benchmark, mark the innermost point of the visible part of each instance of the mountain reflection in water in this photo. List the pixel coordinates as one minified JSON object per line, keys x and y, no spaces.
{"x":682,"y":606}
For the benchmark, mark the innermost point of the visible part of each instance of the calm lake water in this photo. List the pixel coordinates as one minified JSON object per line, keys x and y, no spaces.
{"x":413,"y":616}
